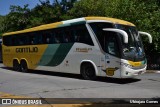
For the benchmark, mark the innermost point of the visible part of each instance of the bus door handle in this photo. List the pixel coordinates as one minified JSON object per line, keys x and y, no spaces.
{"x":108,"y":61}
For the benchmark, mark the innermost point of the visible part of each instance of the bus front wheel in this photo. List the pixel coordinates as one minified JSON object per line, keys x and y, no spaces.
{"x":88,"y":71}
{"x":16,"y":65}
{"x":23,"y":66}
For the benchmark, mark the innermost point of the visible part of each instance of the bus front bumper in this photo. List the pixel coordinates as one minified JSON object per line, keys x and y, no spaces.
{"x":130,"y":73}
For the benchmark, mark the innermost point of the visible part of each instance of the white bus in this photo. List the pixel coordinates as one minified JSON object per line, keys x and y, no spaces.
{"x":90,"y":46}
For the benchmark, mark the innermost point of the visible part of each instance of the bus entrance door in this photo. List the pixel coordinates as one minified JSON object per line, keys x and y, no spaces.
{"x":111,"y":65}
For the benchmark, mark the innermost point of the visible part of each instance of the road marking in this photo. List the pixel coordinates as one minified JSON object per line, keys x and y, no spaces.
{"x":7,"y":95}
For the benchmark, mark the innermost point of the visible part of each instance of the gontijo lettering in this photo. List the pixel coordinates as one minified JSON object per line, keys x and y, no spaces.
{"x":27,"y":50}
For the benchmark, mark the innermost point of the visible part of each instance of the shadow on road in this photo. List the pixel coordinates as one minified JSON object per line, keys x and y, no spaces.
{"x":77,"y":76}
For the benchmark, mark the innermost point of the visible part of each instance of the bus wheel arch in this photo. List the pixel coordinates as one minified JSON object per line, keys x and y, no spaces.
{"x":16,"y":65}
{"x":23,"y":65}
{"x":88,"y":70}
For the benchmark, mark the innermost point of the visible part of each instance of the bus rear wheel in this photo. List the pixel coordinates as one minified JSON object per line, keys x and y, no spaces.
{"x":23,"y":66}
{"x":88,"y":71}
{"x":16,"y":65}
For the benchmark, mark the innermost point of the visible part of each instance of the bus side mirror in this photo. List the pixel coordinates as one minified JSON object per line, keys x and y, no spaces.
{"x":147,"y":34}
{"x":123,"y":33}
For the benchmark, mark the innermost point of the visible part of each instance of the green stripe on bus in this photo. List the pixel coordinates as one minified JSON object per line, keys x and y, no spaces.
{"x":54,"y":55}
{"x":63,"y":25}
{"x":72,"y":24}
{"x":78,"y":23}
{"x":60,"y":54}
{"x":49,"y":53}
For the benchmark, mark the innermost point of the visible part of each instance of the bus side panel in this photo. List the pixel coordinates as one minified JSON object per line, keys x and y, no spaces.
{"x":30,"y":53}
{"x":7,"y":56}
{"x":77,"y":54}
{"x":53,"y":56}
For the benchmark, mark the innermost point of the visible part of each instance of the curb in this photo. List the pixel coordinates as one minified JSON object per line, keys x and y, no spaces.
{"x":152,"y":71}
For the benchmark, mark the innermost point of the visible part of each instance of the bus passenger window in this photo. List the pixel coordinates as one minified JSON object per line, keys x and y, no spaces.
{"x":83,"y":36}
{"x":51,"y":38}
{"x":56,"y":37}
{"x":14,"y":41}
{"x":40,"y":39}
{"x":66,"y":40}
{"x":48,"y":40}
{"x":67,"y":37}
{"x":32,"y":40}
{"x":48,"y":37}
{"x":21,"y":42}
{"x":22,"y":39}
{"x":76,"y":36}
{"x":71,"y":36}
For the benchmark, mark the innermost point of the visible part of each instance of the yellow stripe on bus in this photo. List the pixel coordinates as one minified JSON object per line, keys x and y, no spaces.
{"x":135,"y":63}
{"x":38,"y":28}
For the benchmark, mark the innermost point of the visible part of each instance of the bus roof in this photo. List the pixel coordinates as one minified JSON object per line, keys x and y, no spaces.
{"x":68,"y":23}
{"x":112,"y":20}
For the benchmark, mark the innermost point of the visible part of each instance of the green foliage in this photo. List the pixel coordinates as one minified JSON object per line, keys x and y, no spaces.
{"x":49,"y":13}
{"x":42,"y":14}
{"x":22,"y":17}
{"x":89,"y":8}
{"x":1,"y":24}
{"x":17,"y":19}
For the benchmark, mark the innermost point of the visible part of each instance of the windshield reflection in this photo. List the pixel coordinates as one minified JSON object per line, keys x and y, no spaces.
{"x":133,"y":50}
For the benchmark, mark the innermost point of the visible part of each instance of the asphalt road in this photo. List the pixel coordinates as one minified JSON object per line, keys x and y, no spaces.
{"x":44,"y":84}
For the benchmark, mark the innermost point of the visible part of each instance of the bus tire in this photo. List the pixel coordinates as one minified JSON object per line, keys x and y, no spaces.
{"x":23,"y":66}
{"x":88,"y":71}
{"x":16,"y":65}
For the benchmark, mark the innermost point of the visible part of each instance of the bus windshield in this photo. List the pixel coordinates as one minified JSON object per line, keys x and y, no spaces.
{"x":133,"y":50}
{"x":113,"y":44}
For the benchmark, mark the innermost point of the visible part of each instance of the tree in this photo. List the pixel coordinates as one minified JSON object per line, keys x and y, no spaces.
{"x":66,"y":6}
{"x":41,"y":14}
{"x":45,"y":12}
{"x":88,"y":8}
{"x":1,"y":24}
{"x":17,"y":19}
